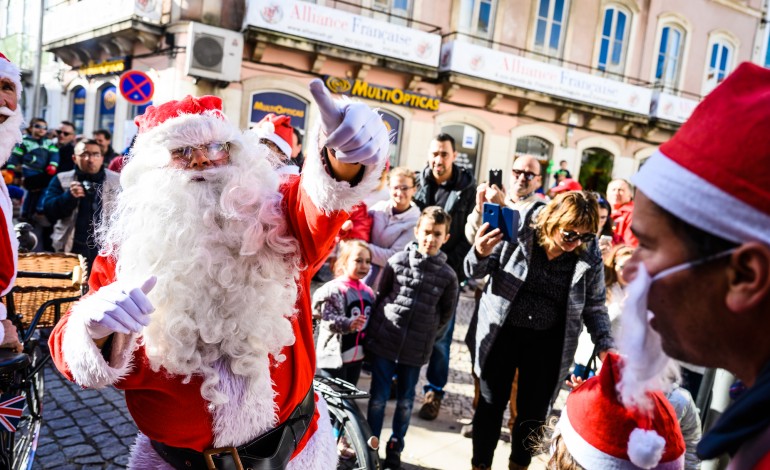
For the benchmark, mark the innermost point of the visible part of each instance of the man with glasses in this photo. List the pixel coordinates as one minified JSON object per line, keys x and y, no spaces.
{"x":200,"y":298}
{"x":65,"y":140}
{"x":10,"y":134}
{"x":524,"y":181}
{"x":36,"y":160}
{"x":702,"y":218}
{"x":74,"y":199}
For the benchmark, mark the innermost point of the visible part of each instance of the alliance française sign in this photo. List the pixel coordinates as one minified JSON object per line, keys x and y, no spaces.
{"x":498,"y":66}
{"x":345,"y":29}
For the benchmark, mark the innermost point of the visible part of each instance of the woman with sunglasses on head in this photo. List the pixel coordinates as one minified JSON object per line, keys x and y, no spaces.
{"x":542,"y":288}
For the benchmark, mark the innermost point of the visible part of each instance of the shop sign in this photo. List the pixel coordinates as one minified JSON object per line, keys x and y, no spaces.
{"x":107,"y":67}
{"x":670,"y":107}
{"x":345,"y":29}
{"x":502,"y":67}
{"x":277,"y":102}
{"x":397,"y":96}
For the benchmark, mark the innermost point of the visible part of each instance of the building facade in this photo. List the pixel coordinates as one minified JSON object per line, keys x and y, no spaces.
{"x":597,"y":83}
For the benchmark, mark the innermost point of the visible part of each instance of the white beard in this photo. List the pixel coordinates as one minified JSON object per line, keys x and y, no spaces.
{"x":226,"y":266}
{"x":645,"y":365}
{"x":10,"y":133}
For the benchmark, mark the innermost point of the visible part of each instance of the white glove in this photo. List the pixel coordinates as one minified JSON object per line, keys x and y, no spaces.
{"x":354,"y":130}
{"x":118,"y":308}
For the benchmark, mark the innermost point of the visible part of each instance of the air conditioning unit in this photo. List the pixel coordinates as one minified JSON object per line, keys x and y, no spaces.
{"x":214,"y":53}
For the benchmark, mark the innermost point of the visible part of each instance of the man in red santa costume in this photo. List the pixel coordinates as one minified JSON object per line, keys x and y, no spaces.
{"x":11,"y":121}
{"x":200,"y":303}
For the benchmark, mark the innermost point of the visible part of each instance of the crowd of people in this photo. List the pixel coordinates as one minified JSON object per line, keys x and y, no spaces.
{"x":201,"y":252}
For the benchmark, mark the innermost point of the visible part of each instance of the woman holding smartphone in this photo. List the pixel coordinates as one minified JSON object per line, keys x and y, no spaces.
{"x":542,"y":288}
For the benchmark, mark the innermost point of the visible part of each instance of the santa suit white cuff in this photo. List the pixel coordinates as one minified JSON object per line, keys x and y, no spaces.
{"x":327,"y":193}
{"x":85,"y":360}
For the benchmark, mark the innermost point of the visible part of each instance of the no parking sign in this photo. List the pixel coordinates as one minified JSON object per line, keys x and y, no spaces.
{"x":136,"y":87}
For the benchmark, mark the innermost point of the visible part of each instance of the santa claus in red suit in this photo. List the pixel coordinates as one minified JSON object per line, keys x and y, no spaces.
{"x":199,"y":305}
{"x":11,"y":122}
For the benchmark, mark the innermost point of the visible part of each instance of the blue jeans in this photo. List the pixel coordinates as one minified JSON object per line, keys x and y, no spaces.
{"x":438,"y":367}
{"x":382,"y":376}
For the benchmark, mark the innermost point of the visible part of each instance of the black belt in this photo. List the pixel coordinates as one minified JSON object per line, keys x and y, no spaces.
{"x":270,"y":451}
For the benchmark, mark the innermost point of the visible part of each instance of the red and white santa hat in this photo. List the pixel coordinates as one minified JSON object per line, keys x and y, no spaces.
{"x":10,"y":71}
{"x":277,"y":129}
{"x":567,"y":184}
{"x":600,"y":432}
{"x":714,"y":173}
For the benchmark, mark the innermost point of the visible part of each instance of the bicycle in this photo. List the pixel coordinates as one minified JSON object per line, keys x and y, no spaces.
{"x":350,"y":427}
{"x":30,"y":308}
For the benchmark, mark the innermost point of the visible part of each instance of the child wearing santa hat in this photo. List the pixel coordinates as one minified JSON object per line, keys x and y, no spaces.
{"x":597,"y":431}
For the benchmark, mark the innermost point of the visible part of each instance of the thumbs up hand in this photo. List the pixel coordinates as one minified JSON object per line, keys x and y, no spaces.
{"x":354,"y":130}
{"x":120,"y":308}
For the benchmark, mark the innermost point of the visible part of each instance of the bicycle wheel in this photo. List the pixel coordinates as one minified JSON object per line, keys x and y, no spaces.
{"x":28,"y":431}
{"x":353,"y":434}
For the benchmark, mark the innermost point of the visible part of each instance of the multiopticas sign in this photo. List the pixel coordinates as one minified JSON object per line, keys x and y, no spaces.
{"x":397,"y":96}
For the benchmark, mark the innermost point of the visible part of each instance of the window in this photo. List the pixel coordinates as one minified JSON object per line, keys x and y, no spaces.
{"x":549,"y":27}
{"x":394,"y":124}
{"x":614,"y":40}
{"x":477,"y":17}
{"x":78,"y":113}
{"x":107,"y":99}
{"x":393,"y":7}
{"x":669,"y":56}
{"x":767,"y":52}
{"x":596,"y":169}
{"x":719,"y":65}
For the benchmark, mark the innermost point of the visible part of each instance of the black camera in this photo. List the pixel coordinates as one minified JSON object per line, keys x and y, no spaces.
{"x":89,"y":187}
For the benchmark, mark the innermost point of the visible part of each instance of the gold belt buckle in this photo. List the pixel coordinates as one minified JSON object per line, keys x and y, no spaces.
{"x":209,"y":459}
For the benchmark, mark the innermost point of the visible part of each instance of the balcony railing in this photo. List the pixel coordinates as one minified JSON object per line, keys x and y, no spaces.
{"x":67,"y":20}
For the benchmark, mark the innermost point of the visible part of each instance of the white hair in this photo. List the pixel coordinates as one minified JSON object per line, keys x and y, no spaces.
{"x":226,"y":264}
{"x":10,"y":132}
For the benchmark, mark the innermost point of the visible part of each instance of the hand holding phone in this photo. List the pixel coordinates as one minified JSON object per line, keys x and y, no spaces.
{"x":504,"y":218}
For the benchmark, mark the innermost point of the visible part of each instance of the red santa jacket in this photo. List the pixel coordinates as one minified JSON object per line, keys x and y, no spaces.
{"x":8,"y":245}
{"x":166,"y":409}
{"x":621,"y":218}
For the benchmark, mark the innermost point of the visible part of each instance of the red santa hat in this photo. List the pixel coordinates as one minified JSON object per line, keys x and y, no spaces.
{"x":600,"y":432}
{"x":10,"y":71}
{"x":714,"y":173}
{"x":567,"y":184}
{"x":277,"y":129}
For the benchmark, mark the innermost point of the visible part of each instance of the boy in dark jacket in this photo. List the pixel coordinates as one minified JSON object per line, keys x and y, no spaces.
{"x":414,"y":306}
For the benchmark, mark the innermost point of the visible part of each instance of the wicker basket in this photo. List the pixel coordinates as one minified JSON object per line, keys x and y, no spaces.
{"x":31,"y":293}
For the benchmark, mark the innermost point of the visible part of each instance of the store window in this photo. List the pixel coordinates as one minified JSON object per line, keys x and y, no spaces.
{"x":108,"y":98}
{"x":614,"y":40}
{"x":468,"y":140}
{"x":395,"y":125}
{"x":669,"y":61}
{"x":477,"y":17}
{"x":279,"y":102}
{"x":539,"y":148}
{"x":720,"y":64}
{"x":395,"y":11}
{"x":550,"y":27}
{"x":78,"y":108}
{"x":596,"y":169}
{"x":43,"y":104}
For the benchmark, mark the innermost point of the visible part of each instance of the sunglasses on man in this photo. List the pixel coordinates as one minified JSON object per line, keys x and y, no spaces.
{"x":571,"y":236}
{"x":64,"y":133}
{"x":528,"y":175}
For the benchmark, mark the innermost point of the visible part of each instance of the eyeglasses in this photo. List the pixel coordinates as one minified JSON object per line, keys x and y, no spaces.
{"x":571,"y":236}
{"x":403,"y":189}
{"x":60,"y":132}
{"x":40,"y":126}
{"x":214,"y":151}
{"x":90,"y":155}
{"x":528,"y":175}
